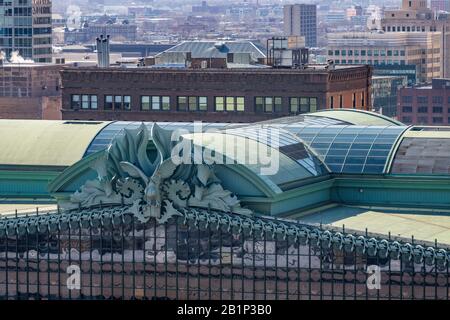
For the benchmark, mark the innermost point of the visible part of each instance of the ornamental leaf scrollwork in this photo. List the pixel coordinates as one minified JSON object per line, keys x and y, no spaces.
{"x":158,"y":188}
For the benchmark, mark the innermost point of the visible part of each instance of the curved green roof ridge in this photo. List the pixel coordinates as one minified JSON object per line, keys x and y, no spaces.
{"x":357,"y":117}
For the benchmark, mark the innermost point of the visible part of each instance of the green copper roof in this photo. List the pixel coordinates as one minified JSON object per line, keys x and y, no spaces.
{"x":357,"y":117}
{"x":45,"y":143}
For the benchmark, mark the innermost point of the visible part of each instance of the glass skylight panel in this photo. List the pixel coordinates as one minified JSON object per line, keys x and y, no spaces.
{"x":350,"y":149}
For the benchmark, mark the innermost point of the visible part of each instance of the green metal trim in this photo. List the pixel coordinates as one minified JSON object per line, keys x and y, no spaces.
{"x":388,"y":166}
{"x":72,"y":171}
{"x":393,"y":121}
{"x":267,"y":187}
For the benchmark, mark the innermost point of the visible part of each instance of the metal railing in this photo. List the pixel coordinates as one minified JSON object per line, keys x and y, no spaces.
{"x":105,"y":254}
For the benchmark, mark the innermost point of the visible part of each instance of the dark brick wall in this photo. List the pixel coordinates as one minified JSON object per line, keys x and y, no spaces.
{"x":410,"y":101}
{"x":248,"y":83}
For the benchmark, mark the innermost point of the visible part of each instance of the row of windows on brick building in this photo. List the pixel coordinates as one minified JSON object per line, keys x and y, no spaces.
{"x":195,"y":103}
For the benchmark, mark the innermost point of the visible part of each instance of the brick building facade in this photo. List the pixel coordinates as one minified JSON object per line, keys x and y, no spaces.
{"x":213,"y":95}
{"x":425,"y":105}
{"x":30,"y":91}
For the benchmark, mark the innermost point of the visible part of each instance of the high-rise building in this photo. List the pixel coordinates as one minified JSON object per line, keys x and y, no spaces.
{"x":415,"y":17}
{"x":26,"y":27}
{"x":301,"y":20}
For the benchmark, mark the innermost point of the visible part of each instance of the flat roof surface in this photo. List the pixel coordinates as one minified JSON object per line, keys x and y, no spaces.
{"x":10,"y":209}
{"x":425,"y":225}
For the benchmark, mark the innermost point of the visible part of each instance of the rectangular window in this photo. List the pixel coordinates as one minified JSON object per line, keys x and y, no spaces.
{"x":203,"y":103}
{"x":145,"y":103}
{"x":259,"y":104}
{"x":407,"y":99}
{"x":437,"y":120}
{"x":437,"y":109}
{"x":313,"y":104}
{"x":85,"y":101}
{"x":94,"y":102}
{"x":240,"y":104}
{"x":108,"y":102}
{"x":75,"y":101}
{"x":278,"y":104}
{"x":230,"y":103}
{"x":406,"y":109}
{"x":156,"y":103}
{"x":423,"y":99}
{"x":219,"y":104}
{"x":293,"y":105}
{"x":127,"y":102}
{"x":422,"y":110}
{"x":268,"y":104}
{"x":438,"y":99}
{"x":182,"y":103}
{"x":165,"y":102}
{"x":117,"y":102}
{"x":304,"y":105}
{"x":193,"y":104}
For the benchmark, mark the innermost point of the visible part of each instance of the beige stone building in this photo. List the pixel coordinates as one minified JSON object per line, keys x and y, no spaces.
{"x":382,"y":48}
{"x":415,"y":17}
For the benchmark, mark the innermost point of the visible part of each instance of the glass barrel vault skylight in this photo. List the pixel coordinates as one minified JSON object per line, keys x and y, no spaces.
{"x":352,"y":149}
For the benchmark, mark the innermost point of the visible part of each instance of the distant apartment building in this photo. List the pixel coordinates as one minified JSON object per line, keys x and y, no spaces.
{"x":26,"y":27}
{"x":416,"y":17}
{"x":30,"y":91}
{"x":118,"y":31}
{"x":425,"y":105}
{"x":301,"y":20}
{"x":212,"y":95}
{"x":354,"y":11}
{"x":421,"y":51}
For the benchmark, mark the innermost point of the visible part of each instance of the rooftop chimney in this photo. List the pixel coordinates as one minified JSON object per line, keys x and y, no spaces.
{"x":103,"y":51}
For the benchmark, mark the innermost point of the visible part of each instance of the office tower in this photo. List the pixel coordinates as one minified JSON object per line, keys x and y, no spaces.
{"x":301,"y":20}
{"x":26,"y":27}
{"x":415,"y":17}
